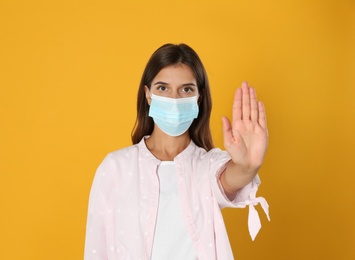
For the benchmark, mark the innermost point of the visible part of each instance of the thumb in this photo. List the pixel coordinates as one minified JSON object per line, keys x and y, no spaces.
{"x":227,"y":130}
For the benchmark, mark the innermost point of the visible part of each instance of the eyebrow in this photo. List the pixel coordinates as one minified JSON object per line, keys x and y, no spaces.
{"x":164,"y":83}
{"x":161,"y":83}
{"x":189,"y":84}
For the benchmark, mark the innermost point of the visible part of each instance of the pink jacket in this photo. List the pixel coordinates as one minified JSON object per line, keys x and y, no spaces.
{"x":124,"y":201}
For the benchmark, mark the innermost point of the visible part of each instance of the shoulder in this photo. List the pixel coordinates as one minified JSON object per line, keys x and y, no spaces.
{"x":118,"y":160}
{"x":200,"y":155}
{"x":125,"y":152}
{"x":129,"y":152}
{"x":121,"y":157}
{"x":212,"y":154}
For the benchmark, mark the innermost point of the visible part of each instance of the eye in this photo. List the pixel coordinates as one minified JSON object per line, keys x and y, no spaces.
{"x":187,"y":90}
{"x":162,"y":88}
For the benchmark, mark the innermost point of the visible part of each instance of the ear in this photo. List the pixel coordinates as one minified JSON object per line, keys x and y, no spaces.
{"x":147,"y":94}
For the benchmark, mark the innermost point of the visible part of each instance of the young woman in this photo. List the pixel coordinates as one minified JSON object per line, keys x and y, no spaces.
{"x":161,"y":197}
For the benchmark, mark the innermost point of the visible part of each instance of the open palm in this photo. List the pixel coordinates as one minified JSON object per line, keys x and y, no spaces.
{"x":246,"y":138}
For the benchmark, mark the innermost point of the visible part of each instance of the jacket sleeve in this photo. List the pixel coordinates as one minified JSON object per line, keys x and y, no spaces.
{"x":98,"y":237}
{"x":245,"y":197}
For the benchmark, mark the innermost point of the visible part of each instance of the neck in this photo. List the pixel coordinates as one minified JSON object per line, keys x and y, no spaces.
{"x":165,"y":147}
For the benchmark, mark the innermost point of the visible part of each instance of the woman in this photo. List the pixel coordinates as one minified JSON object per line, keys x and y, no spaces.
{"x":161,"y":197}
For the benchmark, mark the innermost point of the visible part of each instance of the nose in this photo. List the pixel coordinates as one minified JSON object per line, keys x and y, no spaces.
{"x":175,"y":94}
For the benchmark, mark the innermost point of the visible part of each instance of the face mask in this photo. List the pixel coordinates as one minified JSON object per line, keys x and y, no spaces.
{"x":173,"y":115}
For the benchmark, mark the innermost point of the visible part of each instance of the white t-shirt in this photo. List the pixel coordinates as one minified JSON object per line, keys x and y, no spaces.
{"x":171,"y":240}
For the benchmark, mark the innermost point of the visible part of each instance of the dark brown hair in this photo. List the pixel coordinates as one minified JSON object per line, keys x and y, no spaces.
{"x":170,"y":54}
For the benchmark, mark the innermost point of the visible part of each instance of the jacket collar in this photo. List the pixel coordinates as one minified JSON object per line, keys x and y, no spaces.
{"x":145,"y":153}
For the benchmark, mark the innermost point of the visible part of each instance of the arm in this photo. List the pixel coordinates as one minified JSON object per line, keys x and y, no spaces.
{"x":245,"y":139}
{"x":100,"y":202}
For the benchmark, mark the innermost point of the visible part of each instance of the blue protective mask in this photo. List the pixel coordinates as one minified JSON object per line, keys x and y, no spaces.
{"x":173,"y":115}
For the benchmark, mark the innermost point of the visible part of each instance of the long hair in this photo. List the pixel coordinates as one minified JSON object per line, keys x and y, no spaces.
{"x":170,"y":54}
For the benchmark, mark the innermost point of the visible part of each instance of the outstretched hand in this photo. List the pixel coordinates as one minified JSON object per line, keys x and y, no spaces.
{"x":246,"y":138}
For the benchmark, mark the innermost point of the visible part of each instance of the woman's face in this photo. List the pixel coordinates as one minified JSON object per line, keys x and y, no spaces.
{"x":175,"y":81}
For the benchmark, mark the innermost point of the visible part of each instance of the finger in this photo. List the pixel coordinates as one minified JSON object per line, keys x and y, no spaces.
{"x":227,"y":131}
{"x":245,"y":101}
{"x":262,"y":115}
{"x":237,"y":105}
{"x":253,"y":105}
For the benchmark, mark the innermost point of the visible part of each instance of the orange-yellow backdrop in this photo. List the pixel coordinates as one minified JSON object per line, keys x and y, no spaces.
{"x":69,"y":74}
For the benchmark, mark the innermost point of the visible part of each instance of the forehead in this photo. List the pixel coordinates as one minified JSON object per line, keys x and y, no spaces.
{"x":177,"y":73}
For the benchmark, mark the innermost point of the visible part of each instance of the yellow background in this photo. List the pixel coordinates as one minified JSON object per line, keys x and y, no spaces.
{"x":69,"y":72}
